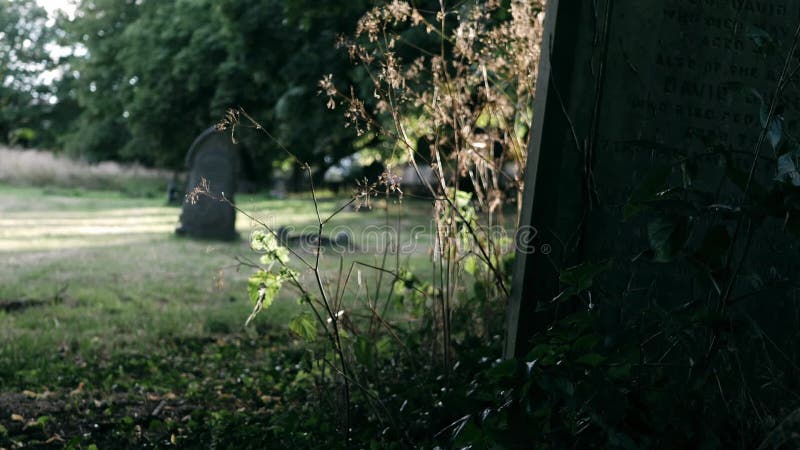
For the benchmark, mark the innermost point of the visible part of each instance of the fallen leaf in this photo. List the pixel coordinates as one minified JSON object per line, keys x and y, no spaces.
{"x":77,"y":390}
{"x":54,"y":438}
{"x":17,"y":418}
{"x":29,"y":394}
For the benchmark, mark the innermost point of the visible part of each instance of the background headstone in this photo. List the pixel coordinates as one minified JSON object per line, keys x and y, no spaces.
{"x":215,"y":158}
{"x":630,"y":88}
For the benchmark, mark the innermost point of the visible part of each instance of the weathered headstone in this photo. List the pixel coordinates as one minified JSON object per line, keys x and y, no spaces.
{"x":212,"y":157}
{"x":626,"y":88}
{"x":173,"y":191}
{"x":280,"y":189}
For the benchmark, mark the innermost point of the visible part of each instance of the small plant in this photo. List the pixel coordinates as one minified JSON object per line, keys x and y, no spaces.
{"x":451,"y":94}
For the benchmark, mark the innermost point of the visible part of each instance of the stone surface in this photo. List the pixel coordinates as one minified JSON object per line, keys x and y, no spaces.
{"x":215,"y":158}
{"x":624,"y":89}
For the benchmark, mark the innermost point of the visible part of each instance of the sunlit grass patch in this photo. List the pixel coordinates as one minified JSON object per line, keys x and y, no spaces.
{"x":106,"y":273}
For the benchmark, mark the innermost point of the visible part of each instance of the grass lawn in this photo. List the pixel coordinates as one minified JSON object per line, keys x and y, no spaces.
{"x":116,"y":331}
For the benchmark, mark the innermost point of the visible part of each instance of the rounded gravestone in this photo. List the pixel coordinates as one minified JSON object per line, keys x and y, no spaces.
{"x":215,"y":158}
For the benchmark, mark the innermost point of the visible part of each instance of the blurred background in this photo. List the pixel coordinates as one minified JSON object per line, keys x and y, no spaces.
{"x":136,"y":81}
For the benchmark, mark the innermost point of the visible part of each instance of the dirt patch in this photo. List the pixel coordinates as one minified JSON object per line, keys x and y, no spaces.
{"x":23,"y":304}
{"x":19,"y":305}
{"x":55,"y":419}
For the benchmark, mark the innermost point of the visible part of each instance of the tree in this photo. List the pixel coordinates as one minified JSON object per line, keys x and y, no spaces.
{"x":23,"y":57}
{"x":157,"y":73}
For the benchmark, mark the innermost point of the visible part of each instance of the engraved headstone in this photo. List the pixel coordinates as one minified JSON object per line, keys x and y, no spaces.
{"x":212,"y":157}
{"x":626,"y":89}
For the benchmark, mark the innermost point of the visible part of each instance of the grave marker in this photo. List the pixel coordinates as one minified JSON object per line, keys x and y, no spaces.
{"x":213,"y":157}
{"x":626,"y":88}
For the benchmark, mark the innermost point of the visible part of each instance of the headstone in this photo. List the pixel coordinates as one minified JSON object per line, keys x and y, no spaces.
{"x":212,"y":157}
{"x":626,"y":88}
{"x":280,"y":189}
{"x":173,"y":192}
{"x":411,"y":178}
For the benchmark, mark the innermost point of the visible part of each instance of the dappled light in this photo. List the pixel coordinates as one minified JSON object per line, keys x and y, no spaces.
{"x":395,"y":224}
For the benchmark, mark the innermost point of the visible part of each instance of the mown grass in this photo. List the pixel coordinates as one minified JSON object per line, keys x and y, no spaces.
{"x":108,"y":303}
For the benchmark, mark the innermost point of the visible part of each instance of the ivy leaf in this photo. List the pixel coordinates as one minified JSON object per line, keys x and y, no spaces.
{"x":762,"y":39}
{"x":304,"y":326}
{"x":581,"y":277}
{"x":775,"y":127}
{"x":504,"y":371}
{"x":667,"y":237}
{"x":586,"y":343}
{"x":590,"y":359}
{"x":787,"y":168}
{"x":648,"y":189}
{"x":739,"y":178}
{"x":714,"y":247}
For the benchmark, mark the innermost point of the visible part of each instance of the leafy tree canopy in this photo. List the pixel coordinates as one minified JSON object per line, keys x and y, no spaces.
{"x":156,"y":73}
{"x":23,"y":57}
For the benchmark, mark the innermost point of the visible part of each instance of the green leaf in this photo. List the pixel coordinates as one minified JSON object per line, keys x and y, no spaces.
{"x":586,"y":343}
{"x":471,"y":265}
{"x":591,"y":359}
{"x":263,"y":240}
{"x":621,"y":372}
{"x":648,"y":189}
{"x":714,"y":247}
{"x":673,"y":206}
{"x":788,"y":168}
{"x":581,"y":277}
{"x":363,"y":351}
{"x":262,"y":288}
{"x":667,"y":237}
{"x":462,"y":199}
{"x":760,"y":37}
{"x":304,"y":326}
{"x":271,"y":283}
{"x":43,"y":420}
{"x":775,"y":127}
{"x":504,"y":371}
{"x":259,"y":239}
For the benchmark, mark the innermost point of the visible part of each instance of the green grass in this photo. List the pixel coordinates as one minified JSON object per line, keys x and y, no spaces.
{"x":123,"y":278}
{"x":118,"y":303}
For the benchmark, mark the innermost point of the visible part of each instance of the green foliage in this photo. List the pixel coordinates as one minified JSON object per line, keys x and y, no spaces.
{"x":262,"y":288}
{"x":667,"y":237}
{"x":789,"y":168}
{"x":23,"y":100}
{"x":264,"y":241}
{"x":304,"y":326}
{"x":155,"y":74}
{"x":581,"y":277}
